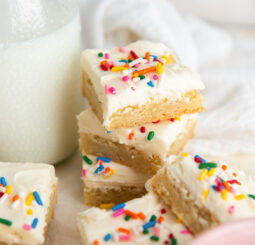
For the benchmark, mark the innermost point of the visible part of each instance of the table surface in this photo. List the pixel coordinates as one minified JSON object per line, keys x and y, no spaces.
{"x":70,"y":200}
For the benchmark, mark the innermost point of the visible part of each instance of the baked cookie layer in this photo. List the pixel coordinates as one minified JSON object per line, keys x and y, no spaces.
{"x":143,"y":147}
{"x":106,"y":181}
{"x":143,"y":84}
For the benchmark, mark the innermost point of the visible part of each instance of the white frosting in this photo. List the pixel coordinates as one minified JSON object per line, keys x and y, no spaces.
{"x":122,"y":176}
{"x":95,"y":223}
{"x":186,"y":171}
{"x":25,"y":178}
{"x":165,"y":133}
{"x":175,"y":80}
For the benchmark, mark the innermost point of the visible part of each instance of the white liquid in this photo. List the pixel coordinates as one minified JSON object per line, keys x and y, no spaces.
{"x":40,"y":96}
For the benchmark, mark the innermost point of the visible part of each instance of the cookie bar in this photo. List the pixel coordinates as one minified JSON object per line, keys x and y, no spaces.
{"x":204,"y":194}
{"x":144,"y":220}
{"x":28,"y":193}
{"x":138,"y":84}
{"x":143,"y":147}
{"x":106,"y":181}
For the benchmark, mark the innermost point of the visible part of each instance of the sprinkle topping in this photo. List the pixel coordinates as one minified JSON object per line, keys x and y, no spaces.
{"x":222,"y":181}
{"x":31,"y":203}
{"x":99,"y":165}
{"x":134,"y":69}
{"x":151,"y":226}
{"x":118,"y":206}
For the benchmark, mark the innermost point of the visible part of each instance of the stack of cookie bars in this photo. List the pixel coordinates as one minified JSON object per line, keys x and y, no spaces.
{"x":143,"y":110}
{"x":144,"y":107}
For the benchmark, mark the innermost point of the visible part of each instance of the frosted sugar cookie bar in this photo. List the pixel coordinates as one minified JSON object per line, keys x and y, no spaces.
{"x":144,"y":220}
{"x":141,"y":147}
{"x":107,"y":182}
{"x":204,"y":194}
{"x":138,"y":84}
{"x":28,"y":193}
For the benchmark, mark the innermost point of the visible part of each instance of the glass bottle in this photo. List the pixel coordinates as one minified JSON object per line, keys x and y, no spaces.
{"x":39,"y":79}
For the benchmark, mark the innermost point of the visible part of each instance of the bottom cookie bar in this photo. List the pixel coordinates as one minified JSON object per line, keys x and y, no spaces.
{"x":204,"y":194}
{"x":106,"y":181}
{"x":144,"y":220}
{"x":28,"y":194}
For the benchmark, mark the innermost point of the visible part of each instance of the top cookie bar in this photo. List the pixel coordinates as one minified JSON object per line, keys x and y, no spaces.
{"x":140,"y":83}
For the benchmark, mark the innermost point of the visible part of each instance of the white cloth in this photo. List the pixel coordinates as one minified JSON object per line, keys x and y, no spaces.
{"x":237,"y":12}
{"x":107,"y":23}
{"x":226,"y":65}
{"x":228,"y":127}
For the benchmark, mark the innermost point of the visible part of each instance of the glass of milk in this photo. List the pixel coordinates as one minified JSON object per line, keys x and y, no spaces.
{"x":39,"y":79}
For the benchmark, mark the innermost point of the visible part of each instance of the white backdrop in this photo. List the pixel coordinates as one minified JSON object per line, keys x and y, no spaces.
{"x":229,"y":12}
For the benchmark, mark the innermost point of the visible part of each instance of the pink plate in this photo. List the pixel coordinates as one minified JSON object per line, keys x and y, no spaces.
{"x":235,"y":233}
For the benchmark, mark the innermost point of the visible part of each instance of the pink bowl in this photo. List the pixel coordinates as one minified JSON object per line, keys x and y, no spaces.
{"x":235,"y":233}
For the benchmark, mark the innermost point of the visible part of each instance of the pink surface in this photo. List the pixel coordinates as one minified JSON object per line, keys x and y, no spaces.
{"x":236,"y":233}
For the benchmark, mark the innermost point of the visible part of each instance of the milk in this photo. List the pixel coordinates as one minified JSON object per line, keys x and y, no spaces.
{"x":40,"y":96}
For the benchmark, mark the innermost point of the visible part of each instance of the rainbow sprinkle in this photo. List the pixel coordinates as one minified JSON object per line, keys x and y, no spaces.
{"x":3,"y":181}
{"x":107,"y":237}
{"x":84,"y":172}
{"x":150,"y":135}
{"x":118,"y":212}
{"x":251,"y":196}
{"x":87,"y":160}
{"x":106,"y":205}
{"x":29,"y":199}
{"x":151,"y":84}
{"x":37,"y":198}
{"x":100,"y":54}
{"x":99,"y":169}
{"x":239,"y":197}
{"x":231,"y":209}
{"x":205,"y":194}
{"x":142,"y":129}
{"x":207,"y":165}
{"x":34,"y":223}
{"x":104,"y":159}
{"x":27,"y":227}
{"x":186,"y":232}
{"x":149,"y":224}
{"x":5,"y":222}
{"x":184,"y":154}
{"x":122,"y":50}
